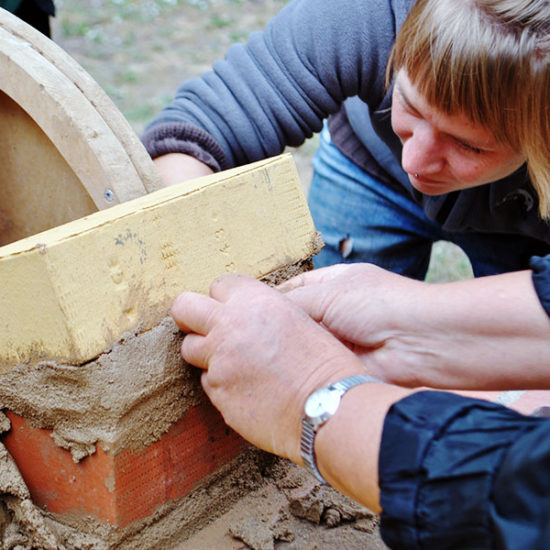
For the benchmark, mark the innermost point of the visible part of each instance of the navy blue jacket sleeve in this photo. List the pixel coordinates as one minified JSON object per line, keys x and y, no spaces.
{"x":541,"y":279}
{"x":464,"y":473}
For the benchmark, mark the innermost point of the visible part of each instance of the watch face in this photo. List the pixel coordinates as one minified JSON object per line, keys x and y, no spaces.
{"x":322,"y":404}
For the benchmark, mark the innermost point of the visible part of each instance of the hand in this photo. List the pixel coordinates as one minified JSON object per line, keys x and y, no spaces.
{"x":262,"y":355}
{"x":489,"y":333}
{"x":177,"y":167}
{"x":362,"y":305}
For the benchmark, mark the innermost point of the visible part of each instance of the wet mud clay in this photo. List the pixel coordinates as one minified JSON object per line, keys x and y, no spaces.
{"x":291,"y":512}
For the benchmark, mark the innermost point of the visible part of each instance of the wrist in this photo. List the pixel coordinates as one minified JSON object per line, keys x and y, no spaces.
{"x":175,"y":168}
{"x":331,"y":365}
{"x":319,"y":408}
{"x":348,"y":446}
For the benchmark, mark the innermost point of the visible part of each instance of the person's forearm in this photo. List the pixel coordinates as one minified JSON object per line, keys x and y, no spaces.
{"x":489,"y":333}
{"x":299,"y":67}
{"x":486,"y":333}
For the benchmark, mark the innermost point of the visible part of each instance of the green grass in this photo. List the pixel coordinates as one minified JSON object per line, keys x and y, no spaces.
{"x":218,"y":22}
{"x":448,"y":263}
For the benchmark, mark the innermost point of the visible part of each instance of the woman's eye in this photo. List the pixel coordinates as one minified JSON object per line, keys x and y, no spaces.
{"x":469,"y":148}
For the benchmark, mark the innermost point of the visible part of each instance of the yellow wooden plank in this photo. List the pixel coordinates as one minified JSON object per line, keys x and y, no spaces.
{"x":70,"y":292}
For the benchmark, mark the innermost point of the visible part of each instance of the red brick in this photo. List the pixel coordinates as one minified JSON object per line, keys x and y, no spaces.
{"x":126,"y":486}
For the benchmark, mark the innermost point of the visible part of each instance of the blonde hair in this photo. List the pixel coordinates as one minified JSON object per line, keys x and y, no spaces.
{"x":488,"y":60}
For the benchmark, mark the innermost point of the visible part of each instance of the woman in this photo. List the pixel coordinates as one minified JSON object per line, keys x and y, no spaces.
{"x":465,"y":111}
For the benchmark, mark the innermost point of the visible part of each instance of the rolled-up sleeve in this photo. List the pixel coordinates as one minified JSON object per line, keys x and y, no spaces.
{"x":463,"y":473}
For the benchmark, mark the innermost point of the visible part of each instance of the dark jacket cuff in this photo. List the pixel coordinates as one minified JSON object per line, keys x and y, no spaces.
{"x":541,"y":279}
{"x":182,"y":137}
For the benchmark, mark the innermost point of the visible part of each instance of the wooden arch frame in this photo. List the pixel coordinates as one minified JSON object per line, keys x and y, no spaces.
{"x":65,"y":149}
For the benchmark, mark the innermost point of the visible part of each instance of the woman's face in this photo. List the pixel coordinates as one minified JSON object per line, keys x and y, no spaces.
{"x":443,"y":153}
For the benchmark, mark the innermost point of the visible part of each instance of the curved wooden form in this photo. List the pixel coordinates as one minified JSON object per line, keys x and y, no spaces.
{"x":66,"y":151}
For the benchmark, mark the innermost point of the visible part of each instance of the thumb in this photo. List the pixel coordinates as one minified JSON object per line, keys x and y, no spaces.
{"x":314,"y":299}
{"x":314,"y":291}
{"x":319,"y":276}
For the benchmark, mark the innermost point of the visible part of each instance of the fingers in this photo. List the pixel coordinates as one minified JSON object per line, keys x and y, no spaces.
{"x":311,"y":300}
{"x":198,"y":315}
{"x":195,"y":350}
{"x":194,"y":312}
{"x":314,"y":291}
{"x":226,"y":286}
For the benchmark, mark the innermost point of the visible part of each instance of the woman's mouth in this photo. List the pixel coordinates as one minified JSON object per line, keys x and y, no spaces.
{"x":429,"y":186}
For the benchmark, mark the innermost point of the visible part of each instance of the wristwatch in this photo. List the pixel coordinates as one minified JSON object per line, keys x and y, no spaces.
{"x":320,"y":406}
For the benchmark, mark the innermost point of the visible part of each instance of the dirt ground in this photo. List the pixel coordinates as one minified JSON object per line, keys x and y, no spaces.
{"x":291,"y":512}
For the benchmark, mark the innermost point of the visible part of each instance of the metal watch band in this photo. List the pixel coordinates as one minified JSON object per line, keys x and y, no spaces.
{"x":307,"y":449}
{"x":351,"y":381}
{"x":307,"y":442}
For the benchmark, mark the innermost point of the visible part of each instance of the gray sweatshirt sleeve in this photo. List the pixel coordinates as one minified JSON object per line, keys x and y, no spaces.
{"x":276,"y":90}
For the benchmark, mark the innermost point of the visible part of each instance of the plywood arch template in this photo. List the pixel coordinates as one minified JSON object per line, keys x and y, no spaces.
{"x":65,"y":149}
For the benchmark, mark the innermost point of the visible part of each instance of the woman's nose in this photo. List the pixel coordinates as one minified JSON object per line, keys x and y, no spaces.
{"x":423,"y":152}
